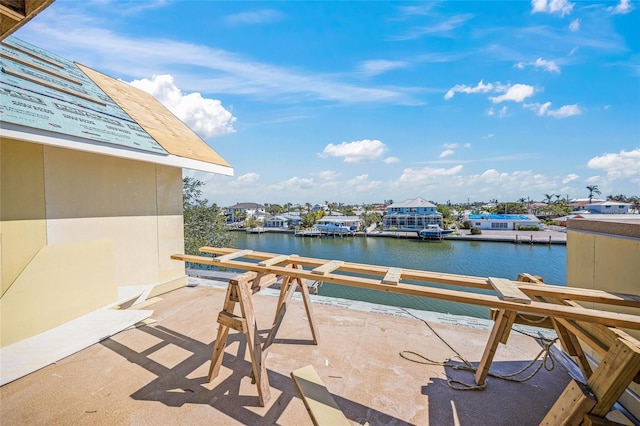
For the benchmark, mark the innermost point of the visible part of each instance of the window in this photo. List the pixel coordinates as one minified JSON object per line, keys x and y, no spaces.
{"x":499,"y":225}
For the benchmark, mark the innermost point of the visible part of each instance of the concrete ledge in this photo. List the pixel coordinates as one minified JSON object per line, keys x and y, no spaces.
{"x":616,"y":225}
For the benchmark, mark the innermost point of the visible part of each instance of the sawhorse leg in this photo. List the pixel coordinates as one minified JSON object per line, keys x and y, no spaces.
{"x":289,"y":285}
{"x":239,"y":290}
{"x":499,"y":334}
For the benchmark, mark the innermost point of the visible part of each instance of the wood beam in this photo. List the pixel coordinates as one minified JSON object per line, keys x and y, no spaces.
{"x":607,"y":318}
{"x":530,"y":289}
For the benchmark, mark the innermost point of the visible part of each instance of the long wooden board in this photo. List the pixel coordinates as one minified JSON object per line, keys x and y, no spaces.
{"x":613,"y":319}
{"x":560,"y":292}
{"x":319,"y":402}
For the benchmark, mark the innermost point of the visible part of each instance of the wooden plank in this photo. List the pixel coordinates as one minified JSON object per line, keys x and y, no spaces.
{"x":393,"y":276}
{"x":571,"y":406}
{"x":253,"y":343}
{"x":221,"y":338}
{"x":530,"y":289}
{"x":526,"y":319}
{"x":160,"y":123}
{"x":591,"y":420}
{"x":231,"y":256}
{"x":286,"y":293}
{"x":320,"y":404}
{"x":263,"y":281}
{"x":328,"y":267}
{"x":607,"y":318}
{"x":613,"y":375}
{"x":10,"y":13}
{"x":508,"y":290}
{"x":315,"y":331}
{"x":503,"y":320}
{"x":572,"y":347}
{"x":274,"y":260}
{"x":232,"y":321}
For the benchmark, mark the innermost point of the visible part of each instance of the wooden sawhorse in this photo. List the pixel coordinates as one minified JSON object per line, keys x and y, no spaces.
{"x":240,"y":290}
{"x":579,"y":404}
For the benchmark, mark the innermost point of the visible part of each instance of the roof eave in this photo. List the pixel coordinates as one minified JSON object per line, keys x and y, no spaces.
{"x":28,"y":134}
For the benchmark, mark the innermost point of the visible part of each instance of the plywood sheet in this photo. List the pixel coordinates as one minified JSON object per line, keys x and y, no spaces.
{"x":156,"y":120}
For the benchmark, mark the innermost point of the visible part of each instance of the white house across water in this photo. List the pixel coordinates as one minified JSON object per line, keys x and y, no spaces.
{"x":411,"y":215}
{"x":503,"y":221}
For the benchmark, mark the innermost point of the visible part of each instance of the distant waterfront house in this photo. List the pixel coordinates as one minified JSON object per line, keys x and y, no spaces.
{"x":580,"y":203}
{"x":411,"y":215}
{"x":91,"y":195}
{"x":282,"y":221}
{"x":503,"y":221}
{"x":351,"y":221}
{"x":245,"y":211}
{"x":608,"y":207}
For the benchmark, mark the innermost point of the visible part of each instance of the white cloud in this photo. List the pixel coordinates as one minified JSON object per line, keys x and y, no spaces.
{"x":468,"y":145}
{"x":565,"y":111}
{"x":562,"y":112}
{"x":503,"y":112}
{"x":550,"y":66}
{"x":462,"y":88}
{"x":621,"y":8}
{"x":450,"y":145}
{"x":391,"y":160}
{"x":255,"y":17}
{"x":446,"y":153}
{"x":489,"y":136}
{"x":203,"y":68}
{"x":622,"y":165}
{"x":442,"y":27}
{"x":356,"y":152}
{"x":247,"y":179}
{"x":516,"y":93}
{"x":362,"y":183}
{"x":328,"y":174}
{"x":293,"y":184}
{"x":574,"y":25}
{"x":206,"y":117}
{"x":561,"y":7}
{"x":570,"y":178}
{"x":375,"y":67}
{"x":427,"y":174}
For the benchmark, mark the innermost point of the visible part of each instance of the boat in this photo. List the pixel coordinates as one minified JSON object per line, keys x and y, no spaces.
{"x":433,"y":232}
{"x":335,"y":228}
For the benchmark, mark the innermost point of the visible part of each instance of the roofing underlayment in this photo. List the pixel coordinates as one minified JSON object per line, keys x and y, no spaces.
{"x":47,"y":99}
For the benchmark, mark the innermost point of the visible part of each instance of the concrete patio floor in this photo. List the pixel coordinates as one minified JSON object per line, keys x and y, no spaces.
{"x":157,"y":374}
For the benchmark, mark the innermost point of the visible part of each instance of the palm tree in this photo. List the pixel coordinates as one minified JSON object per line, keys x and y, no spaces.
{"x":548,"y":197}
{"x":593,"y":189}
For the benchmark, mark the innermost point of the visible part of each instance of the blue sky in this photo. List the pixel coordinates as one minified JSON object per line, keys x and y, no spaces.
{"x":360,"y":102}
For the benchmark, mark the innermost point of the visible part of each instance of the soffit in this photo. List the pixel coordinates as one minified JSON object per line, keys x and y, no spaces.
{"x":15,"y":13}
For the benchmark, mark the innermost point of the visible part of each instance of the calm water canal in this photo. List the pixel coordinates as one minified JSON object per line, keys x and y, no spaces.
{"x":483,"y":259}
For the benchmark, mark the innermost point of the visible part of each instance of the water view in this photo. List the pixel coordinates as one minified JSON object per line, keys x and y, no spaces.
{"x":483,"y":259}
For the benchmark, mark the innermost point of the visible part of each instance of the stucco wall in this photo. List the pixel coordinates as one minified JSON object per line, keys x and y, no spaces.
{"x":605,"y":255}
{"x":75,"y":227}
